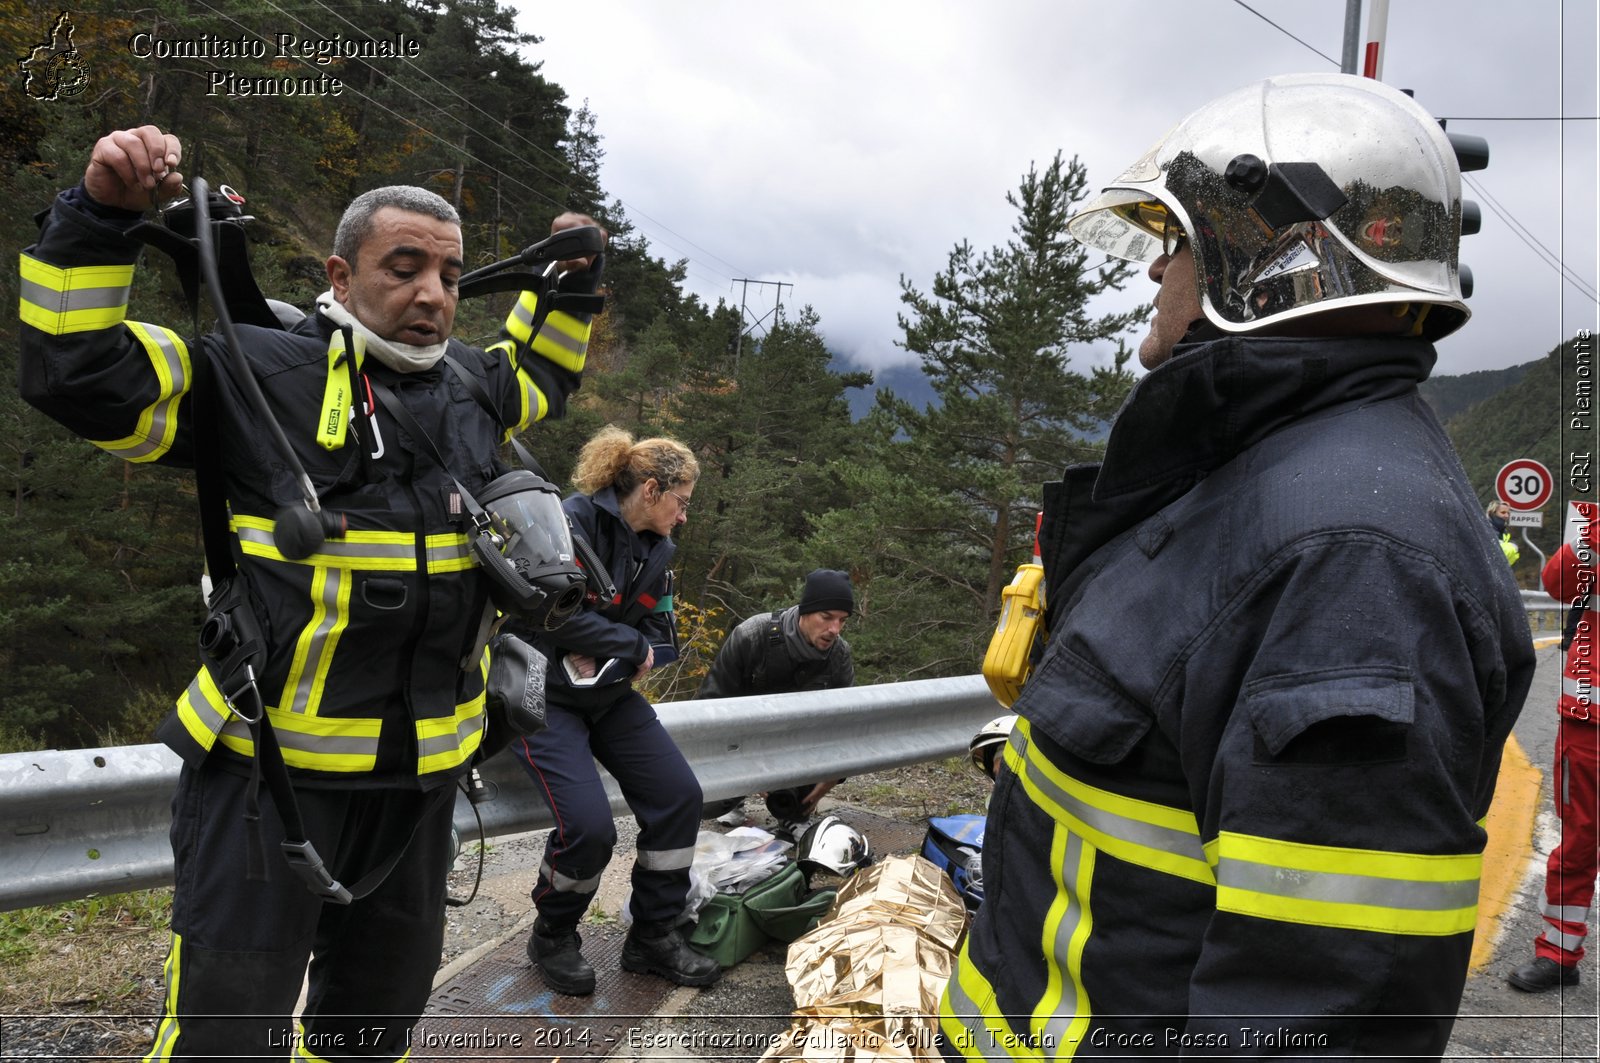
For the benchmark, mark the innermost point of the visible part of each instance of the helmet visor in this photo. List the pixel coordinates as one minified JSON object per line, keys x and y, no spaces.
{"x":1126,"y":223}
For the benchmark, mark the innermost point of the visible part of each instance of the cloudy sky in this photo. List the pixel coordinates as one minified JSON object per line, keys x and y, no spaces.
{"x":837,"y":146}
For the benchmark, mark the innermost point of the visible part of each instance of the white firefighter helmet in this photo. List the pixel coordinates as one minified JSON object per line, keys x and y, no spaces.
{"x":1299,"y":194}
{"x":832,"y":845}
{"x":988,"y":740}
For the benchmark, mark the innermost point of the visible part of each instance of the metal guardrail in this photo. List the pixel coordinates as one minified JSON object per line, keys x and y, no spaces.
{"x":75,"y":823}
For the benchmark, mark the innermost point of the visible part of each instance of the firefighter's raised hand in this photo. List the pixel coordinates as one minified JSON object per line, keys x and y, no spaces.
{"x":572,"y":220}
{"x":134,"y":169}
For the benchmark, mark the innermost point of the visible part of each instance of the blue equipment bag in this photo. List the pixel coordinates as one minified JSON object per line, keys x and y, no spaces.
{"x":955,"y":845}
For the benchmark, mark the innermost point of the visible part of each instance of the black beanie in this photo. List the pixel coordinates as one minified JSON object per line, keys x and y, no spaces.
{"x":828,"y":588}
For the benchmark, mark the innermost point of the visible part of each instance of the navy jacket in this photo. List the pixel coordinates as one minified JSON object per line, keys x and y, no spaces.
{"x":1243,"y":804}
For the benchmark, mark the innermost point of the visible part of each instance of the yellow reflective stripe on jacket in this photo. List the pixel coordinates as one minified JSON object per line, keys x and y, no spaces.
{"x":374,"y":550}
{"x":81,"y":299}
{"x":1062,"y":1014}
{"x":971,"y":1021}
{"x":313,"y":650}
{"x":531,"y":402}
{"x":317,"y":743}
{"x":1150,"y":835}
{"x":449,"y":552}
{"x":167,"y":1032}
{"x":202,"y":709}
{"x":158,"y":422}
{"x":562,"y":338}
{"x":447,"y":741}
{"x":1348,"y":889}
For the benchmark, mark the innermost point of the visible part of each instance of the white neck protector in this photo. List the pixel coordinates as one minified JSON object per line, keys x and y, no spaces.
{"x":401,"y":357}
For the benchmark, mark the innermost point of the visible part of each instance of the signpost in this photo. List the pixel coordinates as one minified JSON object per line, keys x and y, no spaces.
{"x":1525,"y":485}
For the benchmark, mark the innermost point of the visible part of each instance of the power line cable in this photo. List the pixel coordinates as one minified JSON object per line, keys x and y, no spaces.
{"x":1286,"y":33}
{"x":1521,"y":232}
{"x":543,"y":151}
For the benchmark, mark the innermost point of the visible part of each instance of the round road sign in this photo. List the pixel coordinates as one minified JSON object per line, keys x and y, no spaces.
{"x":1524,"y":484}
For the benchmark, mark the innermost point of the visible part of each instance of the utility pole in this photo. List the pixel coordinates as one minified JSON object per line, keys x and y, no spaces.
{"x":1352,"y":37}
{"x":755,"y":322}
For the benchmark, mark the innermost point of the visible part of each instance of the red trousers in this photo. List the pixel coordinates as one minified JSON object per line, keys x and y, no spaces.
{"x":1570,"y":876}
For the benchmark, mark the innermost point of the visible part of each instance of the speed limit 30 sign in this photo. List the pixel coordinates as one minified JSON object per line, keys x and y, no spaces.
{"x":1524,"y":484}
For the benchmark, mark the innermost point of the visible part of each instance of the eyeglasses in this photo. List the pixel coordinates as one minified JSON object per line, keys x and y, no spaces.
{"x":683,"y":503}
{"x":1155,"y":218}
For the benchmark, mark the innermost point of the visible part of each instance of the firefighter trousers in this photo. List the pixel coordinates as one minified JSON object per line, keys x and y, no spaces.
{"x":1570,"y":874}
{"x":658,"y":784}
{"x":240,"y":947}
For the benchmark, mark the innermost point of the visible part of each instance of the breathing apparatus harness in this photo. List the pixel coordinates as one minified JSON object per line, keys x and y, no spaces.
{"x":507,"y":536}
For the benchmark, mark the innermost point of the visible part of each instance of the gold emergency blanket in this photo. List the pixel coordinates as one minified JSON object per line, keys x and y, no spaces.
{"x":868,"y":978}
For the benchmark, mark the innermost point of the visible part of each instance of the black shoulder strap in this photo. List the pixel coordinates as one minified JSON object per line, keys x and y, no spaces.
{"x":481,"y":395}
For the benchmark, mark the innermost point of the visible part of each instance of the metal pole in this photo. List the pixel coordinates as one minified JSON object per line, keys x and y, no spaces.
{"x":1529,"y":544}
{"x":1349,"y":61}
{"x":1377,"y":31}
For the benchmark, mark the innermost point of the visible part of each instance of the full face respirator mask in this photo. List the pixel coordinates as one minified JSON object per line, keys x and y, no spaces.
{"x":538,"y":570}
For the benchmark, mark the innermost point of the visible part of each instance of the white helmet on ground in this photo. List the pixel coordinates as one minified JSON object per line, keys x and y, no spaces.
{"x":833,"y":846}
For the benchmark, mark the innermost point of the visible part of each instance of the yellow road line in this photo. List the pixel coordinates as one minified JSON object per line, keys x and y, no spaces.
{"x":1510,"y":827}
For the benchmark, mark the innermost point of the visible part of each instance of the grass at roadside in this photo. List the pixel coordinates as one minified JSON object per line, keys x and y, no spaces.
{"x":99,"y":954}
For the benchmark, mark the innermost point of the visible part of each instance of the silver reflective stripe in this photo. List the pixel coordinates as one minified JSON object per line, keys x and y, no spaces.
{"x":665,"y":859}
{"x":566,"y":883}
{"x":1564,"y":941}
{"x":1342,"y":888}
{"x":523,"y":316}
{"x":965,"y":1009}
{"x":325,"y":745}
{"x":448,"y":743}
{"x":1074,"y":1002}
{"x":1574,"y":687}
{"x":452,"y":552}
{"x":211,"y":717}
{"x":155,"y":432}
{"x":337,"y":548}
{"x":1123,"y":828}
{"x":298,"y":698}
{"x":107,"y":298}
{"x":1566,"y":913}
{"x":556,"y":338}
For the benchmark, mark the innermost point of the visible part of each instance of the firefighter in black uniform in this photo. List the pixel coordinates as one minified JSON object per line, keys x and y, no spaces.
{"x":635,"y":492}
{"x":1242,"y":812}
{"x":372,"y":679}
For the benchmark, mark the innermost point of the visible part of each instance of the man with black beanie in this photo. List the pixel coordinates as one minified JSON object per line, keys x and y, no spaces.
{"x":798,"y":648}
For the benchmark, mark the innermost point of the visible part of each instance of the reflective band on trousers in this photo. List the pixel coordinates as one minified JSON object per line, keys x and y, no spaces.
{"x":566,"y":883}
{"x":665,"y":859}
{"x":373,"y":550}
{"x":158,"y":422}
{"x":1566,"y":913}
{"x":62,"y":301}
{"x":167,"y":1032}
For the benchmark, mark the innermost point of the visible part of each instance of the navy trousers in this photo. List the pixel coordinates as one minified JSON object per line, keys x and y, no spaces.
{"x":240,"y":947}
{"x":658,"y":784}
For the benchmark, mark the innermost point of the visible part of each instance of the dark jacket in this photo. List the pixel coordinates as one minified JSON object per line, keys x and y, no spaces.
{"x":754,"y":660}
{"x":637,"y":564}
{"x":364,"y":679}
{"x":1245,"y":794}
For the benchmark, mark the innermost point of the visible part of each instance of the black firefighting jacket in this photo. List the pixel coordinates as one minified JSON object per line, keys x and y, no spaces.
{"x":1242,"y":811}
{"x":365,"y":681}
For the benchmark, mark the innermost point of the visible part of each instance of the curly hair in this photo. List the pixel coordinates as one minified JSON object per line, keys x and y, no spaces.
{"x":613,"y":458}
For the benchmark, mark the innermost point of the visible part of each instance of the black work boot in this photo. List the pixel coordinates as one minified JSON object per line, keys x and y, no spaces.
{"x":554,"y":952}
{"x":1542,"y":974}
{"x":658,"y":948}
